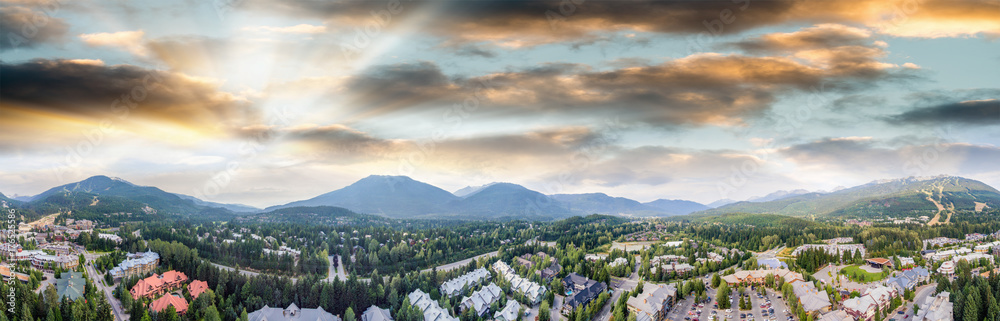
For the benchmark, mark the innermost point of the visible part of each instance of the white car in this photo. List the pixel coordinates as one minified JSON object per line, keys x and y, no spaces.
{"x":729,"y":310}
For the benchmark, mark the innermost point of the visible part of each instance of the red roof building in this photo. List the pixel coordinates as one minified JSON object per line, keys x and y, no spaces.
{"x":158,"y":284}
{"x":196,"y":288}
{"x":165,"y":301}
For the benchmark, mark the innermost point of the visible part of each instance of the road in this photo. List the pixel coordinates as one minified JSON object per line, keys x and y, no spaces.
{"x":98,"y":281}
{"x":455,"y":265}
{"x":628,"y":285}
{"x":921,"y":295}
{"x":337,"y":272}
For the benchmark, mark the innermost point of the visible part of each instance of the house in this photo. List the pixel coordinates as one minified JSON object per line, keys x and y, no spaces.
{"x":525,"y":262}
{"x":618,"y":262}
{"x":879,"y":263}
{"x":838,"y":315}
{"x":168,"y":300}
{"x":550,"y":272}
{"x":654,"y":302}
{"x":909,"y":279}
{"x":936,"y":308}
{"x":580,"y":290}
{"x":864,"y":307}
{"x":196,"y":288}
{"x":374,"y":313}
{"x":71,"y":285}
{"x":531,"y":290}
{"x":136,"y":264}
{"x":480,"y":300}
{"x":509,"y":312}
{"x":454,"y":286}
{"x":907,"y":261}
{"x":292,"y":312}
{"x":431,"y":309}
{"x":157,"y":284}
{"x":811,"y":298}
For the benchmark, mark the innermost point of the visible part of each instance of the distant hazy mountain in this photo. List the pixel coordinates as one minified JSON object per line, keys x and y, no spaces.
{"x":722,"y":202}
{"x":468,"y":190}
{"x":232,"y":207}
{"x":677,"y":207}
{"x":500,"y":200}
{"x":23,"y":198}
{"x":394,"y":196}
{"x":883,"y":197}
{"x":778,"y":195}
{"x":600,"y":203}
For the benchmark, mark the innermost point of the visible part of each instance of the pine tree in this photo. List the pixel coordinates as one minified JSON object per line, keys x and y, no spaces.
{"x":971,"y":311}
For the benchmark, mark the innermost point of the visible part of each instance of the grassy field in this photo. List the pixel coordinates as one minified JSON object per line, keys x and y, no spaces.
{"x":855,"y":273}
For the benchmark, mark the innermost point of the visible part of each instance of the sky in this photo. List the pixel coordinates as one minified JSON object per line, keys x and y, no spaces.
{"x":264,"y":102}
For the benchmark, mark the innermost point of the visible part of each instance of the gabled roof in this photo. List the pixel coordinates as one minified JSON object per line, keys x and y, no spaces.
{"x":197,"y":287}
{"x":374,"y":313}
{"x":165,"y":301}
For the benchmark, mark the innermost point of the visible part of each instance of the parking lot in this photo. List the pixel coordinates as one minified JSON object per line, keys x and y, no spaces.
{"x":687,"y":309}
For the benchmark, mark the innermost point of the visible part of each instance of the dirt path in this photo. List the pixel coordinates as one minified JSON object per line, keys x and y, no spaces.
{"x":937,"y":217}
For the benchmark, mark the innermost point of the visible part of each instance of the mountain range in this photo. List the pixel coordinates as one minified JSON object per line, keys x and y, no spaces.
{"x":404,"y":197}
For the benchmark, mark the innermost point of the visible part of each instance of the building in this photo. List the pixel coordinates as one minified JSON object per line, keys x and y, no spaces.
{"x":480,"y":300}
{"x":292,"y":312}
{"x":760,"y":276}
{"x":972,"y":258}
{"x":550,"y":272}
{"x":936,"y":308}
{"x":879,"y":263}
{"x":909,"y":279}
{"x":618,"y":262}
{"x":196,"y":288}
{"x":7,"y":274}
{"x":947,"y":268}
{"x":906,"y":261}
{"x":838,"y":249}
{"x":431,"y":309}
{"x":838,"y":315}
{"x":811,"y":298}
{"x":158,"y":284}
{"x":948,"y":254}
{"x":137,"y":264}
{"x":580,"y":290}
{"x":509,"y":312}
{"x":525,"y":262}
{"x":178,"y":302}
{"x":531,"y":290}
{"x":863,"y":307}
{"x":654,"y":302}
{"x":110,"y":237}
{"x":71,"y":285}
{"x":454,"y":286}
{"x":374,"y":313}
{"x":47,"y":262}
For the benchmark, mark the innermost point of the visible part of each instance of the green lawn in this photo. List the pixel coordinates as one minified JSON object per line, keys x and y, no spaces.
{"x":853,"y":270}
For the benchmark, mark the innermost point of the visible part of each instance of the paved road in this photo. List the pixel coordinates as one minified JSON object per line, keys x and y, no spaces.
{"x":455,"y":265}
{"x":337,"y":272}
{"x":907,"y":308}
{"x":628,"y":285}
{"x":116,"y":305}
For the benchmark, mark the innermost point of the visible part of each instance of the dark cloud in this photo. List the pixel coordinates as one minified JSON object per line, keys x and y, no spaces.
{"x":89,"y":90}
{"x":471,"y":50}
{"x":975,"y":112}
{"x":866,"y":157}
{"x":23,"y":28}
{"x":855,"y":102}
{"x":816,"y":37}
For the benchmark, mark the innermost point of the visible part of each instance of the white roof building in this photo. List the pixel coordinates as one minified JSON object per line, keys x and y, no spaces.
{"x":454,"y":286}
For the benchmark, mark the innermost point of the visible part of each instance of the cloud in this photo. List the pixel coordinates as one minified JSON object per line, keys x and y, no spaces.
{"x":62,"y":96}
{"x":816,"y":37}
{"x":471,"y":50}
{"x":519,"y":24}
{"x":21,"y":28}
{"x":131,"y":41}
{"x":970,"y":112}
{"x":866,"y":158}
{"x":296,"y":29}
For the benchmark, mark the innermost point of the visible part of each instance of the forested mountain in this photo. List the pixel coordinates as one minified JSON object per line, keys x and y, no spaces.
{"x":107,"y":186}
{"x":594,"y":203}
{"x":677,"y":207}
{"x":393,"y":196}
{"x":778,"y":195}
{"x":505,"y":200}
{"x":469,"y":190}
{"x":897,"y":197}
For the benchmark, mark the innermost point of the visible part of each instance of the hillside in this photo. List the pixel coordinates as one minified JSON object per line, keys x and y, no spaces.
{"x":505,"y":200}
{"x":324,"y":215}
{"x":107,"y":186}
{"x":677,"y":207}
{"x":897,"y":197}
{"x":393,"y":196}
{"x":600,"y":203}
{"x":228,"y":206}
